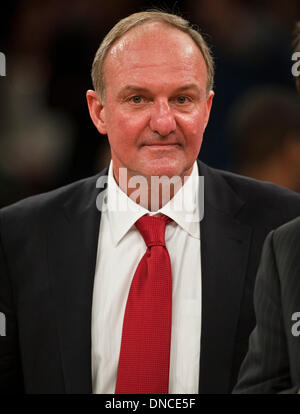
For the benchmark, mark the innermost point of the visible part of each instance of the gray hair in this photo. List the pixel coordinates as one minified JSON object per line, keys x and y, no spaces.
{"x":138,"y":19}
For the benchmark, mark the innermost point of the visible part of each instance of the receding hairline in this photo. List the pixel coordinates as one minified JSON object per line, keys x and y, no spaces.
{"x":140,"y":28}
{"x":150,"y":22}
{"x":171,"y":21}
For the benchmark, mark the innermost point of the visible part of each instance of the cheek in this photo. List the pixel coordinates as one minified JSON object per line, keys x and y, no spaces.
{"x":193,"y":128}
{"x":127,"y":125}
{"x":123,"y":133}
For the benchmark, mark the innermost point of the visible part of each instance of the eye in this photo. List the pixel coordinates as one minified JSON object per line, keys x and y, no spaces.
{"x":136,"y":99}
{"x":181,"y":99}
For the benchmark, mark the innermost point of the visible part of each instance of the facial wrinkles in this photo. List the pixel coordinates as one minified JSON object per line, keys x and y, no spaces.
{"x":156,"y":65}
{"x":131,"y":53}
{"x":160,"y":71}
{"x":158,"y":81}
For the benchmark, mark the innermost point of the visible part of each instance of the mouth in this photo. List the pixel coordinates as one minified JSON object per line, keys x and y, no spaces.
{"x":162,"y":146}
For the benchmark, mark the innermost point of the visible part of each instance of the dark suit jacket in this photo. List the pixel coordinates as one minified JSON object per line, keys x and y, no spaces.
{"x":48,"y":246}
{"x":272,"y":364}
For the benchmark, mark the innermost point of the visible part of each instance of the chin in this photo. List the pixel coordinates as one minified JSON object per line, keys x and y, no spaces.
{"x":168,"y":170}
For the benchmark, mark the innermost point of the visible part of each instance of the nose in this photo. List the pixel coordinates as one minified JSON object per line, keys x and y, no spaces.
{"x":162,"y":119}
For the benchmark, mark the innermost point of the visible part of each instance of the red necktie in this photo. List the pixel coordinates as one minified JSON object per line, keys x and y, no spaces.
{"x":145,"y":348}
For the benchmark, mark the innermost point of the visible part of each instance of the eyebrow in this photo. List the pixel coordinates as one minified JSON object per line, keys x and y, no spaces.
{"x":189,"y":86}
{"x":131,"y":88}
{"x":135,"y":88}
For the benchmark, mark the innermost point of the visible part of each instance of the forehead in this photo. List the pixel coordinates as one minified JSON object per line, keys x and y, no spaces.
{"x":157,"y":51}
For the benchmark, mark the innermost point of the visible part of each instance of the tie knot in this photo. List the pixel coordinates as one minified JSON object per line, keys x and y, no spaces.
{"x":153,"y":229}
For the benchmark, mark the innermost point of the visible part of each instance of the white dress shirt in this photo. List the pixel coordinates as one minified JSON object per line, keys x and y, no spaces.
{"x":120,"y":248}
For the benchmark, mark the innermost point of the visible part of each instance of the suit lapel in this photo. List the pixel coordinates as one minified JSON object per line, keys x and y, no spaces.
{"x":72,"y":250}
{"x":224,"y":253}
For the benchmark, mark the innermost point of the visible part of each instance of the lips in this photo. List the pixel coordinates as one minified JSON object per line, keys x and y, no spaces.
{"x":161,"y":147}
{"x":161,"y":144}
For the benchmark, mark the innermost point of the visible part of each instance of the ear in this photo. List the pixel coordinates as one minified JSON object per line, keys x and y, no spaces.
{"x":208,"y":107}
{"x":96,"y":110}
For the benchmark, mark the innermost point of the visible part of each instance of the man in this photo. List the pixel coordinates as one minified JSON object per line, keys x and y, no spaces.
{"x":79,"y":318}
{"x":272,"y":363}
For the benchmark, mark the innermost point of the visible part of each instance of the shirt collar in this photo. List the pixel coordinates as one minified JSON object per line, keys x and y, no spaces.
{"x":183,"y":208}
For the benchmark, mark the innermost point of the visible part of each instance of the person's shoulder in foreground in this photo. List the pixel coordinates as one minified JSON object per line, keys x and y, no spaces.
{"x":272,"y":363}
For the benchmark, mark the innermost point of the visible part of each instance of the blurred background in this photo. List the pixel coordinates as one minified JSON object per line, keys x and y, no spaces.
{"x":46,"y":137}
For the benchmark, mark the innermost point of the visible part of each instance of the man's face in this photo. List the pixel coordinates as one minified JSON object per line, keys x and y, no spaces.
{"x":156,"y":107}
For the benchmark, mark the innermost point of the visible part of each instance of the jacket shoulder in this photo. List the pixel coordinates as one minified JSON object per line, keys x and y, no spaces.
{"x":264,"y":204}
{"x":264,"y":195}
{"x":248,"y":187}
{"x":47,"y":203}
{"x":288,"y":233}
